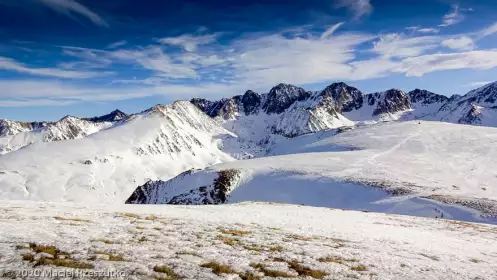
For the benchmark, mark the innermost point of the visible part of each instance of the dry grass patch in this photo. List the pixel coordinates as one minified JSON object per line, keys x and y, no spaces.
{"x":71,"y":219}
{"x":140,"y":227}
{"x":336,"y":259}
{"x":171,"y":275}
{"x":52,"y":250}
{"x":277,"y":248}
{"x":116,"y":258}
{"x":270,"y":272}
{"x":359,"y":268}
{"x":142,"y":239}
{"x":307,"y":271}
{"x":63,"y":262}
{"x":475,"y":260}
{"x":253,"y":248}
{"x":185,"y":252}
{"x":106,"y":241}
{"x":299,"y":237}
{"x":28,"y":257}
{"x":234,"y":231}
{"x":151,"y":218}
{"x":249,"y":276}
{"x":157,"y":228}
{"x":130,"y":215}
{"x":227,"y":240}
{"x":218,"y":268}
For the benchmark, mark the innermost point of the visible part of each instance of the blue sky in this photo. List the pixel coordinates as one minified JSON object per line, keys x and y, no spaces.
{"x":88,"y":57}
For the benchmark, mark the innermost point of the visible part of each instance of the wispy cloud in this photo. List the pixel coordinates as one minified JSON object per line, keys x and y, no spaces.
{"x":422,"y":30}
{"x":453,"y":17}
{"x":463,"y":43}
{"x":478,"y":60}
{"x":35,"y":103}
{"x":331,"y":30}
{"x":117,"y":44}
{"x":400,"y":45}
{"x":489,"y":30}
{"x":478,"y":84}
{"x":189,"y":42}
{"x":358,"y":8}
{"x":68,"y":7}
{"x":13,"y":65}
{"x":429,"y":30}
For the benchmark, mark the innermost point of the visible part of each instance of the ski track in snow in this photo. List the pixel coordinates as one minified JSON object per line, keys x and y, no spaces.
{"x":360,"y":245}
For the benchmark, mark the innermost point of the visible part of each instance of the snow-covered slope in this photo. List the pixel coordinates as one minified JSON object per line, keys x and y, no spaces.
{"x":477,"y":107}
{"x":250,"y":240}
{"x":15,"y":135}
{"x":421,"y":163}
{"x":106,"y":166}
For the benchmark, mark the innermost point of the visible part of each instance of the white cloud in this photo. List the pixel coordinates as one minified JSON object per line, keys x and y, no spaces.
{"x":12,"y":65}
{"x":66,"y":7}
{"x":189,"y":42}
{"x":453,"y":17}
{"x":479,"y":84}
{"x":463,"y":43}
{"x":422,"y":30}
{"x":429,"y":30}
{"x":153,"y":58}
{"x":331,"y":30}
{"x":358,"y":7}
{"x":34,"y":103}
{"x":399,"y":45}
{"x":412,"y":28}
{"x":270,"y":59}
{"x":478,"y":60}
{"x":117,"y":44}
{"x":490,"y":30}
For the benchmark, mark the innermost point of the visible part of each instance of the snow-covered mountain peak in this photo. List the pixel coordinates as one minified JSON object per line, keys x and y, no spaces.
{"x":251,"y":102}
{"x":485,"y":95}
{"x":282,"y":96}
{"x":391,"y":101}
{"x":9,"y":127}
{"x":426,"y":97}
{"x":346,"y":98}
{"x":113,"y":116}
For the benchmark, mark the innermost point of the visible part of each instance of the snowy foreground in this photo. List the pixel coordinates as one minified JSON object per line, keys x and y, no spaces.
{"x":248,"y":241}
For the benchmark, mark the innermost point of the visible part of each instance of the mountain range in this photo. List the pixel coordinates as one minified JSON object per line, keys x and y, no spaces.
{"x":356,"y":148}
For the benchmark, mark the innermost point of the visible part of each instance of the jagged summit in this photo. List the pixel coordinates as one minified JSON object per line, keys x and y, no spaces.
{"x":346,"y":98}
{"x":282,"y":96}
{"x":113,"y":116}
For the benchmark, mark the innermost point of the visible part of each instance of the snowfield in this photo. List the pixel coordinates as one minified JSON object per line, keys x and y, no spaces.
{"x":255,"y":240}
{"x":107,"y":166}
{"x":433,"y":169}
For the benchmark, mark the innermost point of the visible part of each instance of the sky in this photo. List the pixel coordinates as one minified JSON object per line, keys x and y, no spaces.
{"x":89,"y":57}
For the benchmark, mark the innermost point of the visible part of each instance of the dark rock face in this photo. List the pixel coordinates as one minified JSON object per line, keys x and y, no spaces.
{"x":283,"y":96}
{"x":391,"y":101}
{"x":346,"y":98}
{"x":426,"y":97}
{"x":211,"y":108}
{"x":251,"y":102}
{"x":215,"y":193}
{"x":113,"y":116}
{"x":472,"y":117}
